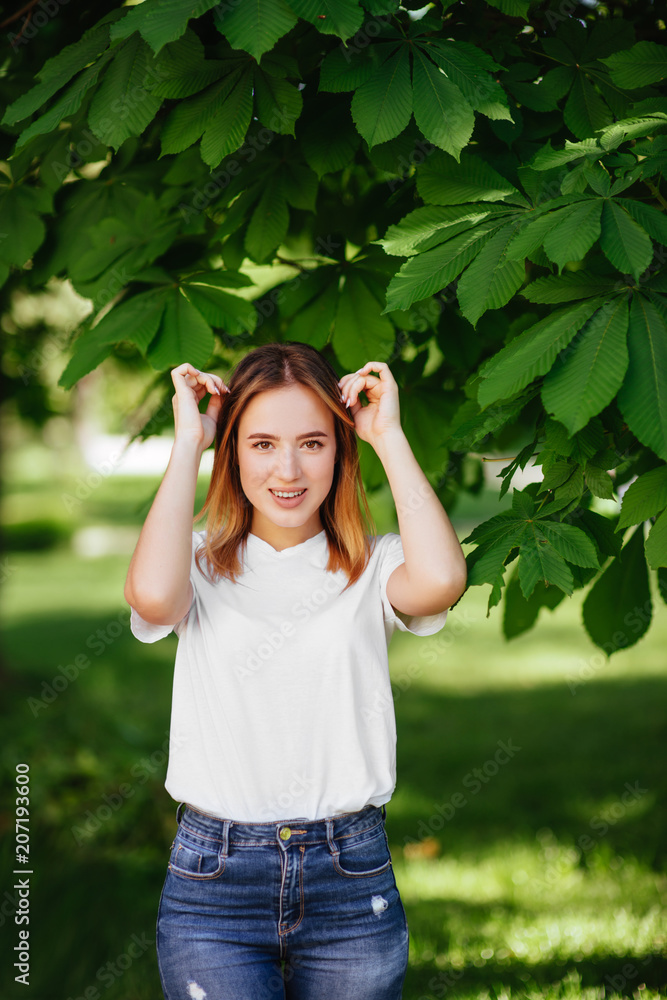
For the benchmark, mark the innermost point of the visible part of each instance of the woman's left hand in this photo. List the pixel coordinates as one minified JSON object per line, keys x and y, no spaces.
{"x":382,"y":414}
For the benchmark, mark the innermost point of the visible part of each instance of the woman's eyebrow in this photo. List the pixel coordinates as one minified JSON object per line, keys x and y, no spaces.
{"x":272,"y":437}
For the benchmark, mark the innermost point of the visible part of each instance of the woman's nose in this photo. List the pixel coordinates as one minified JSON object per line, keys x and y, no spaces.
{"x":288,"y":462}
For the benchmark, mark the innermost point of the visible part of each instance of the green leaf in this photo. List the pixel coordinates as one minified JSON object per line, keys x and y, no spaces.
{"x":22,"y":228}
{"x":512,"y":8}
{"x":656,"y":543}
{"x":219,"y":308}
{"x":662,"y":583}
{"x":642,"y":398}
{"x":548,"y":158}
{"x":650,"y":219}
{"x":346,"y":69}
{"x":539,"y":560}
{"x":121,"y":105}
{"x":588,"y":375}
{"x":629,"y":128}
{"x":467,"y":72}
{"x":571,"y":543}
{"x":181,"y":69}
{"x":644,"y":63}
{"x":624,"y":242}
{"x":585,"y":111}
{"x":278,"y":103}
{"x":441,"y":111}
{"x":568,"y":287}
{"x":183,"y":335}
{"x":532,"y":353}
{"x":644,"y":498}
{"x":601,"y":530}
{"x":492,"y":279}
{"x":617,"y":610}
{"x":429,"y":272}
{"x":56,"y":72}
{"x":190,"y":118}
{"x":520,"y":614}
{"x":268,"y":226}
{"x":119,"y":248}
{"x":381,"y":108}
{"x":575,"y":233}
{"x":331,"y":17}
{"x":470,"y":425}
{"x":160,"y":21}
{"x":136,"y":319}
{"x":314,"y":322}
{"x":431,"y":224}
{"x":226,"y":131}
{"x":538,"y":223}
{"x":441,"y":181}
{"x":254,"y":25}
{"x":599,"y":481}
{"x":67,"y":104}
{"x":360,"y":326}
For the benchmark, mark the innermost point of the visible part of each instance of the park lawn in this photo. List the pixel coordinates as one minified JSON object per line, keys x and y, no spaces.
{"x":527,"y":826}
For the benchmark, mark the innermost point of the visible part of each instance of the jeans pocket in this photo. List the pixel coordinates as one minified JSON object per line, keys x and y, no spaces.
{"x":192,"y":857}
{"x":363,"y":855}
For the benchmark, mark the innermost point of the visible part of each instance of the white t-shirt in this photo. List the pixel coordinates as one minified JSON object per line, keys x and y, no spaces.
{"x":282,"y":705}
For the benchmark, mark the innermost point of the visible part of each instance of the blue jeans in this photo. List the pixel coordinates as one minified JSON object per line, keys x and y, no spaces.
{"x":296,"y":910}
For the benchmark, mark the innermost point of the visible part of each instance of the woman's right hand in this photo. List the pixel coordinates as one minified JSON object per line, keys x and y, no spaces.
{"x":191,"y":386}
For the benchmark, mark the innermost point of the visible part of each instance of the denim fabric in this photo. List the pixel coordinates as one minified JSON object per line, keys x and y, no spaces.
{"x":295,"y":910}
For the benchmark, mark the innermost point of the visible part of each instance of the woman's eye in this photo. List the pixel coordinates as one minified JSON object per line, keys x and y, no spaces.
{"x":312,"y":441}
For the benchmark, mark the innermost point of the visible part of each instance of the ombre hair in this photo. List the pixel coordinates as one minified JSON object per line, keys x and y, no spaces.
{"x":229,"y":512}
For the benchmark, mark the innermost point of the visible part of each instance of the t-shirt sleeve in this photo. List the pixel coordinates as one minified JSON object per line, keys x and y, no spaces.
{"x":148,"y":631}
{"x":391,"y":555}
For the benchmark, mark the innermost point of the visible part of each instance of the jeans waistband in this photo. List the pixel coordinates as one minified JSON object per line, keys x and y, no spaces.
{"x":284,"y":832}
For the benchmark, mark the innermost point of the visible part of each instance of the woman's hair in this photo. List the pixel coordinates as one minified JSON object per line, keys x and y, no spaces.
{"x":229,"y":512}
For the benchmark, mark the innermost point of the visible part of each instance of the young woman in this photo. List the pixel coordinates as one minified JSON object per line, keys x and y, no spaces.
{"x":282,"y":743}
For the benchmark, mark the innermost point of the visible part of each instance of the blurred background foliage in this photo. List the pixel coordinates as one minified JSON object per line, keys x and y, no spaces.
{"x":509,"y":267}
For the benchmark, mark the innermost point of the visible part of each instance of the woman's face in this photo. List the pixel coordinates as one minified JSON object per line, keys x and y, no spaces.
{"x":286,"y":443}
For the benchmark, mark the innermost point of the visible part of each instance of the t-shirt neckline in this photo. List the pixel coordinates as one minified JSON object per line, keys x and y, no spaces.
{"x":266,"y":547}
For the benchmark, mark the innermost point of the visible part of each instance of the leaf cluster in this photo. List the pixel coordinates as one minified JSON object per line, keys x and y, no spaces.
{"x":472,"y":193}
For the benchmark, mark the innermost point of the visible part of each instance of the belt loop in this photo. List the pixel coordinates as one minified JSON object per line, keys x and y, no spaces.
{"x":384,"y":812}
{"x":330,"y":838}
{"x":225,"y":837}
{"x":179,"y":811}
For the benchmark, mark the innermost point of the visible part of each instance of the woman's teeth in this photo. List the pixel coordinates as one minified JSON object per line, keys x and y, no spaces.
{"x":287,"y":495}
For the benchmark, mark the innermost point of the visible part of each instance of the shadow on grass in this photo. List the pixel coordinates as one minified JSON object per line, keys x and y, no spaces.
{"x":505,"y":765}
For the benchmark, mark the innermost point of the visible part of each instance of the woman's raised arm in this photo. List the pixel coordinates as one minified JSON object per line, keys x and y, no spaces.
{"x":158,"y":579}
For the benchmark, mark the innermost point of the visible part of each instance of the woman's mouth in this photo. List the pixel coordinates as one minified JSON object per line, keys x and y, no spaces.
{"x":287,"y":498}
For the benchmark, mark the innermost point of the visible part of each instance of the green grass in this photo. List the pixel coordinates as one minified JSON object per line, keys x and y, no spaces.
{"x":530,"y":871}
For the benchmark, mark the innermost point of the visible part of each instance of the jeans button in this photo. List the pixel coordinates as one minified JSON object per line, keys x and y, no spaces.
{"x":285,"y":833}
